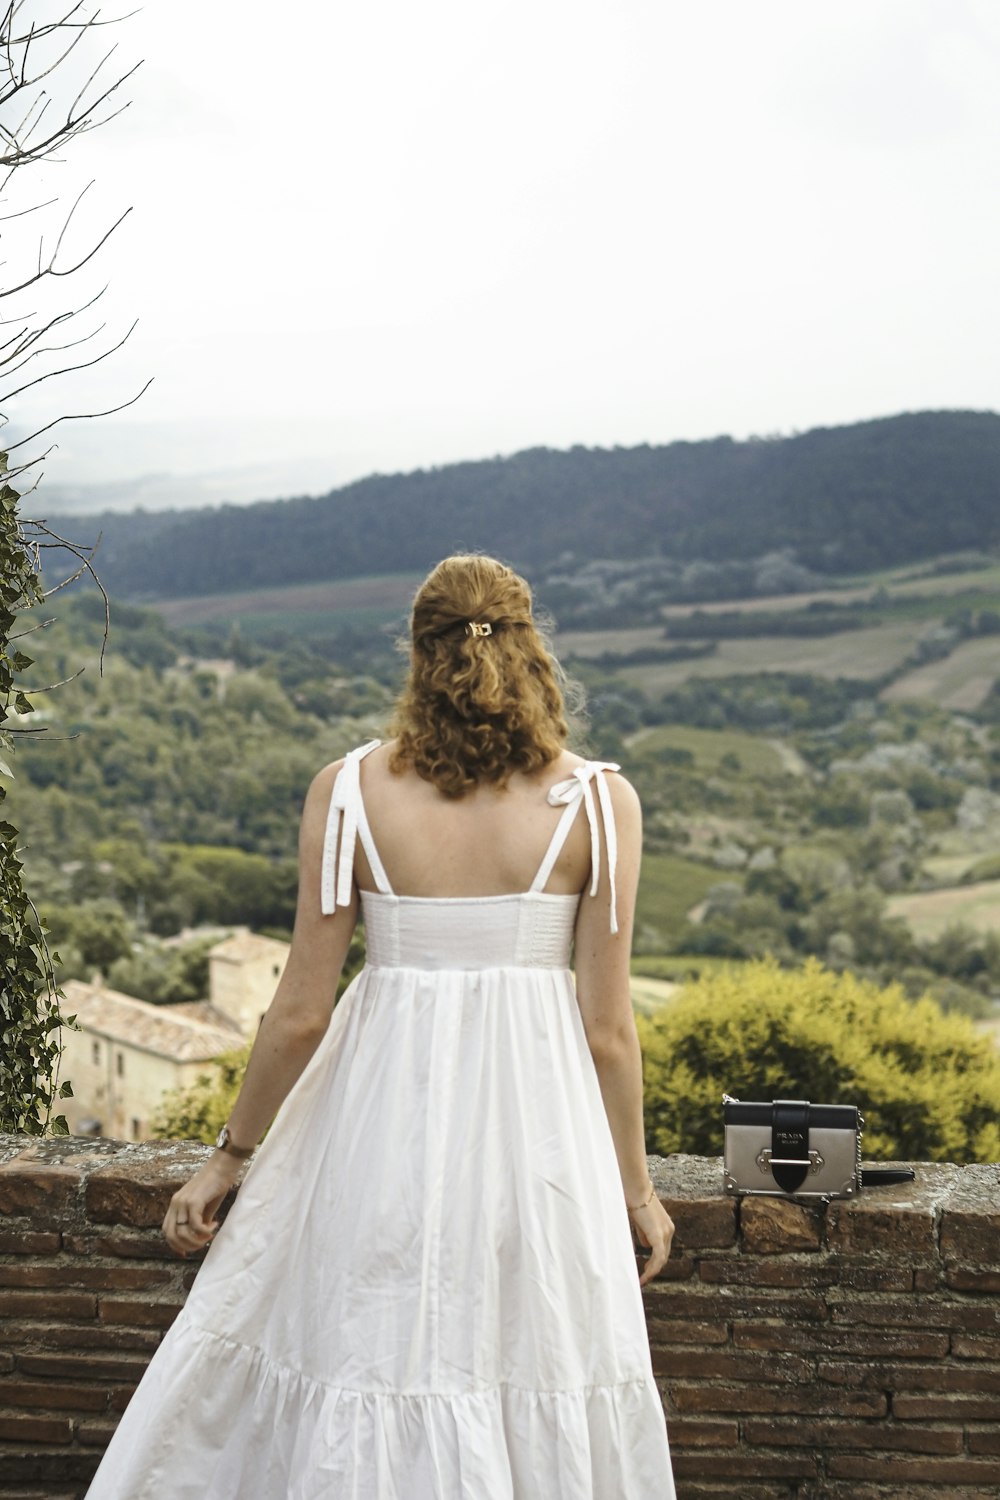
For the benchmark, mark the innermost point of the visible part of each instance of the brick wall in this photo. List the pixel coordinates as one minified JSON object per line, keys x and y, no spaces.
{"x":843,"y":1353}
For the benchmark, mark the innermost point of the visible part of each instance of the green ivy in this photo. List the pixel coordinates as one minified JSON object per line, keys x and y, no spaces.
{"x":30,"y":1018}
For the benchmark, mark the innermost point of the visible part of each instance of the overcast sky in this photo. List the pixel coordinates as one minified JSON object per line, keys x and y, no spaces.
{"x":387,"y":235}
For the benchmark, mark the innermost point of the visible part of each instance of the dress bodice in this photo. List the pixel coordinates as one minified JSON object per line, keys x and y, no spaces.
{"x":532,"y":928}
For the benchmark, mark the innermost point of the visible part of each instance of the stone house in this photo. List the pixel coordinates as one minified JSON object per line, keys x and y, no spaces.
{"x":128,"y":1053}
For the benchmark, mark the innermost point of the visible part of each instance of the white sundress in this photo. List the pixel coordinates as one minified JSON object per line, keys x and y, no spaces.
{"x":426,"y":1288}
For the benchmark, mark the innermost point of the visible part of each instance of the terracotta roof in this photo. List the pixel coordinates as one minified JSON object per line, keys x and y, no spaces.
{"x":209,"y":1015}
{"x":245,"y":945}
{"x":152,"y":1028}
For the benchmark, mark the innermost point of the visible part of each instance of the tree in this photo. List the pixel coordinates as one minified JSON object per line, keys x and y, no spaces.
{"x":40,"y":47}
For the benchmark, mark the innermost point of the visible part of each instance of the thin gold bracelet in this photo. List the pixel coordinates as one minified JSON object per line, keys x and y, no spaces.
{"x":645,"y":1202}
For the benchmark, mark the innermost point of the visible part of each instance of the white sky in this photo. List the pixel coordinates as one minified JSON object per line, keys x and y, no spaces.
{"x":386,"y":235}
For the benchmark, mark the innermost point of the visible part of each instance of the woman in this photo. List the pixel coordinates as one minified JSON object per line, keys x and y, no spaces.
{"x":426,"y":1289}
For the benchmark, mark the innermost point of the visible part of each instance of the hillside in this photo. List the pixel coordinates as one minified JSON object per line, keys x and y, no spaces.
{"x":856,"y":498}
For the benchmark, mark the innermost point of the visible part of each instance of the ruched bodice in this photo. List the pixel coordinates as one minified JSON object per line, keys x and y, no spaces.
{"x":531,"y":930}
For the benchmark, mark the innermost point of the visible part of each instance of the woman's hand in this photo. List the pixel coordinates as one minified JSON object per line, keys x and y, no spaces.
{"x":190,"y":1221}
{"x":655,"y":1228}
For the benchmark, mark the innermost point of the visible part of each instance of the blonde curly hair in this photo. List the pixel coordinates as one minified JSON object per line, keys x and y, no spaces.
{"x":477,"y":707}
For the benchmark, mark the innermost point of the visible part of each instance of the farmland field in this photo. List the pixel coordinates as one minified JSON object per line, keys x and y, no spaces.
{"x":668,"y":888}
{"x":960,"y":681}
{"x":388,"y":595}
{"x":930,"y":912}
{"x":757,"y":756}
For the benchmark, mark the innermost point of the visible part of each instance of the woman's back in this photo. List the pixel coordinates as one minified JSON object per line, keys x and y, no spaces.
{"x":490,"y":842}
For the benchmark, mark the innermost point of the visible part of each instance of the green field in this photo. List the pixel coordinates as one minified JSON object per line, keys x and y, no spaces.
{"x":930,"y":912}
{"x":669,"y":887}
{"x":759,"y":757}
{"x":300,"y":606}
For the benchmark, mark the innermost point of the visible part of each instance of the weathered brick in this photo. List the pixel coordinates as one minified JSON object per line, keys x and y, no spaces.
{"x":971,"y":1237}
{"x":138,"y":1314}
{"x":741,"y":1303}
{"x":47,"y":1305}
{"x":6,"y":1363}
{"x":860,"y":1227}
{"x":772,"y":1226}
{"x":93,"y":1434}
{"x":983,"y":1440}
{"x":915,"y":1313}
{"x":922,"y":1471}
{"x":971,"y":1348}
{"x":106,"y":1368}
{"x":743,"y":1270}
{"x":138,"y":1244}
{"x":969,"y":1279}
{"x":806,"y":1400}
{"x":51,"y":1396}
{"x":24,"y":1429}
{"x":841,"y":1341}
{"x":708,"y":1223}
{"x":954,"y":1408}
{"x":703,"y":1434}
{"x":41,"y":1336}
{"x":729,"y":1365}
{"x":863,"y":1374}
{"x":927,"y":1278}
{"x":68,"y":1273}
{"x":746,"y":1465}
{"x":136,"y":1186}
{"x":52,"y":1469}
{"x":671,"y":1331}
{"x":29,"y":1242}
{"x":783,"y":1432}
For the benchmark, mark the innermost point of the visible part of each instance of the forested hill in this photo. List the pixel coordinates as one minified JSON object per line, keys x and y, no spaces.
{"x":846,"y":499}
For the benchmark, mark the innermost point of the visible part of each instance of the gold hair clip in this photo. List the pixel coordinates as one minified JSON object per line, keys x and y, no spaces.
{"x":478,"y":627}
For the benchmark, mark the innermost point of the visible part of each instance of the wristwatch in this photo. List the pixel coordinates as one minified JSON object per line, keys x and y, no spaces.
{"x":223,"y":1143}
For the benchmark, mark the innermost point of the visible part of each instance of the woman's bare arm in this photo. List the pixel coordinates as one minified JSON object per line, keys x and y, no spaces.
{"x":289,"y":1033}
{"x":605,"y":999}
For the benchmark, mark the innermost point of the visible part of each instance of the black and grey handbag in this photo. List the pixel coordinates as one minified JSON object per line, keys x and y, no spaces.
{"x":792,"y":1147}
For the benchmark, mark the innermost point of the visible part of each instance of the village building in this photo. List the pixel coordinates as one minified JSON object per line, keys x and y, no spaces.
{"x":127,"y":1053}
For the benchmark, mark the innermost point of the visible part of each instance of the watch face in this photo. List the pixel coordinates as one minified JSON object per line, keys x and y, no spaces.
{"x":223,"y":1137}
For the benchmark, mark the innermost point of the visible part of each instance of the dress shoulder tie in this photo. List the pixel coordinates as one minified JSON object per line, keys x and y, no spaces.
{"x":568,"y":794}
{"x":345,"y":817}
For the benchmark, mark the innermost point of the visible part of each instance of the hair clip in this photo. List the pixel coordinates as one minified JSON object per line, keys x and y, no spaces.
{"x":478,"y":627}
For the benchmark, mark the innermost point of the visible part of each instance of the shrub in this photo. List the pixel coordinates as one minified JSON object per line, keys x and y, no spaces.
{"x":927,"y":1084}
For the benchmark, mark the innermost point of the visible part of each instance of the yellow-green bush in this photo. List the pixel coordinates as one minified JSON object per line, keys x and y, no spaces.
{"x":927,"y":1083}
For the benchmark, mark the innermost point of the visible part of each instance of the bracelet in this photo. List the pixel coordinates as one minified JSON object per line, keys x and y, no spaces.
{"x":645,"y":1201}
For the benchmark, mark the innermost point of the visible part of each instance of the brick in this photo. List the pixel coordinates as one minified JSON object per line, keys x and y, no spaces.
{"x":135,"y":1187}
{"x":94,"y":1434}
{"x":51,"y":1396}
{"x":973,"y":1237}
{"x":773,"y":1226}
{"x":678,"y":1364}
{"x":50,"y":1468}
{"x":138,"y":1314}
{"x":6,"y":1363}
{"x":958,"y":1408}
{"x":745,"y":1465}
{"x":707,"y":1223}
{"x":817,"y":1273}
{"x":41,"y":1336}
{"x":841,"y":1341}
{"x":983,"y":1440}
{"x":860,"y":1227}
{"x":67,"y":1273}
{"x":967,"y":1279}
{"x":916,"y":1313}
{"x":968,"y":1348}
{"x":854,"y":1491}
{"x":799,"y":1400}
{"x":106,"y":1368}
{"x":671,"y":1331}
{"x":25,"y":1429}
{"x":148,"y":1245}
{"x":741,"y":1303}
{"x":45,"y":1178}
{"x":47,"y":1305}
{"x":927,"y":1279}
{"x":704,"y":1489}
{"x":777,"y":1432}
{"x":29,"y":1242}
{"x":896,"y":1470}
{"x":677,"y":1268}
{"x":862,"y":1374}
{"x":703,"y":1435}
{"x":121,"y":1397}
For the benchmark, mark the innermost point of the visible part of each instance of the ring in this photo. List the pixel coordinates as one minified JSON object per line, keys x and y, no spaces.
{"x":182,"y":1221}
